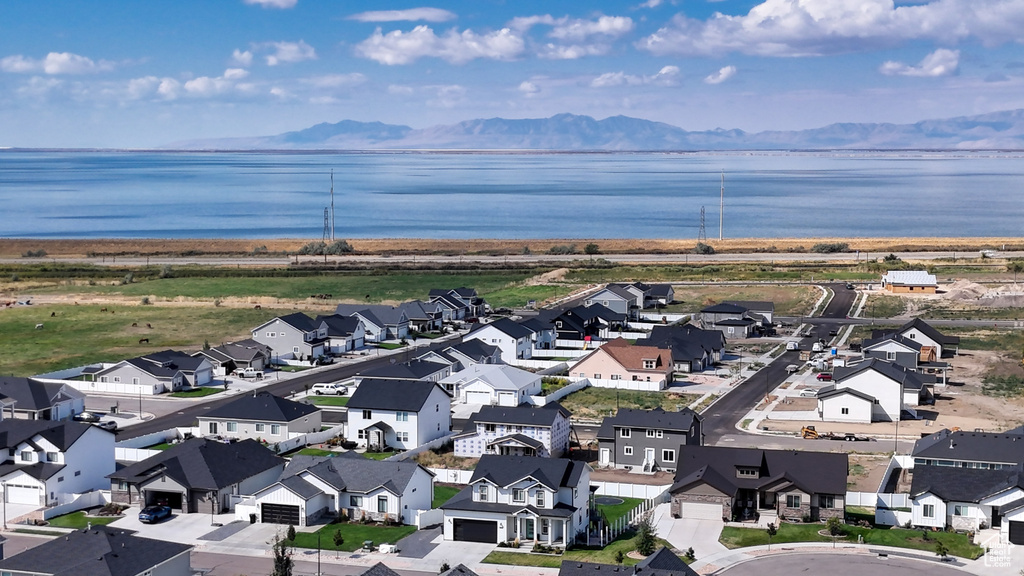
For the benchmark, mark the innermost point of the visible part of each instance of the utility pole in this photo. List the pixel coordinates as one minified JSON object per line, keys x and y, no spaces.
{"x":721,"y":208}
{"x":332,"y":205}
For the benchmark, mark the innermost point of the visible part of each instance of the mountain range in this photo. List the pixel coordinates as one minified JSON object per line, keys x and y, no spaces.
{"x":572,"y":132}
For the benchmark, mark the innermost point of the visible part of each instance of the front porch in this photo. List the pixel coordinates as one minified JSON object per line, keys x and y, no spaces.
{"x":378,"y":436}
{"x":516,"y":445}
{"x":531,"y":529}
{"x":750,"y":505}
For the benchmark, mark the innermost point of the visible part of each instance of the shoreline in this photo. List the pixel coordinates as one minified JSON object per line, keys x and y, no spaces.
{"x":103,"y":247}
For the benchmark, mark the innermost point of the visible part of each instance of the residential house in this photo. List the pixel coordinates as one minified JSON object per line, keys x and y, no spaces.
{"x":647,"y":440}
{"x":463,"y":355}
{"x":906,"y":352}
{"x":401,"y":414}
{"x":293,"y":337}
{"x":260,"y":416}
{"x":493,"y":384}
{"x":32,"y":399}
{"x":380,"y":321}
{"x":662,"y":563}
{"x":969,"y":481}
{"x":44,"y":461}
{"x":544,"y":500}
{"x":198,"y":371}
{"x":227,"y":358}
{"x":344,"y":333}
{"x":101,"y":551}
{"x":736,"y":320}
{"x":873,"y":390}
{"x":197,"y":475}
{"x":585,"y":322}
{"x":472,"y":304}
{"x":511,"y":338}
{"x":909,"y":282}
{"x":714,"y":482}
{"x":619,"y":364}
{"x":544,"y":335}
{"x":414,"y":370}
{"x":934,"y":344}
{"x":351,"y":486}
{"x":661,"y":295}
{"x":624,"y":299}
{"x":165,"y":371}
{"x":423,"y":316}
{"x":693,"y":349}
{"x":520,"y":431}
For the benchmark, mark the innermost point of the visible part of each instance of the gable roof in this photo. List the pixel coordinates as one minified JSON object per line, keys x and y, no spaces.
{"x":233,"y":351}
{"x":615,"y":290}
{"x":262,"y":406}
{"x":459,"y":570}
{"x":339,"y":326}
{"x":553,"y":473}
{"x":507,"y":327}
{"x":497,"y":376}
{"x":964,"y":484}
{"x":203,"y":464}
{"x":31,"y":394}
{"x":1005,"y":448}
{"x":100,"y":551}
{"x":378,"y":314}
{"x":724,"y":308}
{"x":892,"y":337}
{"x":414,"y":370}
{"x":420,"y":310}
{"x":661,"y":290}
{"x":359,"y":475}
{"x":632,"y":356}
{"x":175,"y":359}
{"x":475,"y":349}
{"x":60,"y":433}
{"x":657,"y":418}
{"x":662,"y":563}
{"x":300,"y":321}
{"x":927,"y":329}
{"x":910,"y":277}
{"x":379,"y":569}
{"x":545,"y":415}
{"x":753,"y":305}
{"x":815,"y":472}
{"x":831,"y":390}
{"x":908,"y":379}
{"x":381,"y":394}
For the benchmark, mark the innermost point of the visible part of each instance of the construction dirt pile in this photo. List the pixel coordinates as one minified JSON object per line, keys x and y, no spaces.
{"x":1011,"y":295}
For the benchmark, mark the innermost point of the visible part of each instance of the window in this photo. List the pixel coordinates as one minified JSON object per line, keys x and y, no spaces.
{"x":844,"y":411}
{"x":51,"y":456}
{"x":625,"y":433}
{"x":518,"y":495}
{"x":402,"y":436}
{"x":650,"y":433}
{"x":481,"y":492}
{"x":361,"y":435}
{"x":747,"y":472}
{"x":827,"y":501}
{"x":122,"y":485}
{"x":26,"y":456}
{"x":928,"y":511}
{"x":792,"y":500}
{"x":260,"y":427}
{"x":668,"y":455}
{"x":135,"y":380}
{"x":295,"y":349}
{"x":597,"y":375}
{"x":78,"y":472}
{"x":271,"y":335}
{"x":616,"y":377}
{"x":540,"y":498}
{"x":367,"y":414}
{"x":912,"y":336}
{"x":355,"y":501}
{"x":627,"y":450}
{"x":232,"y":426}
{"x":275,"y":429}
{"x":117,"y":378}
{"x":490,"y":428}
{"x":649,"y":364}
{"x":382,"y":503}
{"x":402,"y":416}
{"x":959,"y":510}
{"x":890,"y":356}
{"x":60,"y":478}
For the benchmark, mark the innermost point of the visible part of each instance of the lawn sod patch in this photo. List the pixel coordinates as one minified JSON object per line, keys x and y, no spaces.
{"x":197,"y":392}
{"x":354,"y":535}
{"x":329,"y":400}
{"x":597,"y":402}
{"x":443,"y":494}
{"x":604,"y":555}
{"x":958,"y":544}
{"x":79,"y":520}
{"x":613,"y":512}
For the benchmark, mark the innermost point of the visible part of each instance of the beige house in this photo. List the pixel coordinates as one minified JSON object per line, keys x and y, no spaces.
{"x":618,"y":364}
{"x":909,"y":282}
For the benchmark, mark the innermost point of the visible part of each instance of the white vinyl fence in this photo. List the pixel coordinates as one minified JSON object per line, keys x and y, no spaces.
{"x":560,"y":393}
{"x":435,"y":443}
{"x":653,"y":386}
{"x":78,"y":502}
{"x":624,"y":490}
{"x":627,"y":335}
{"x":877,"y":500}
{"x":449,"y":476}
{"x":561,"y":353}
{"x":311,"y":438}
{"x":429,"y":518}
{"x":606,"y":533}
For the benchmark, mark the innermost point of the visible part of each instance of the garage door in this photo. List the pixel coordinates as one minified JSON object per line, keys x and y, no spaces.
{"x":172,"y":499}
{"x":478,"y":397}
{"x":507,"y":399}
{"x":20,"y":494}
{"x":701,"y":511}
{"x":476,"y":531}
{"x":1017,"y":532}
{"x":279,"y":514}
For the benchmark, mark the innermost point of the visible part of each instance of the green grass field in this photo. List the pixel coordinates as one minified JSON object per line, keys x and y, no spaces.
{"x":958,"y":544}
{"x":79,"y":520}
{"x":79,"y":335}
{"x":613,"y":512}
{"x":198,"y":392}
{"x":329,"y":400}
{"x":604,"y":555}
{"x":442,"y":494}
{"x":598,"y":402}
{"x":354,"y":535}
{"x":314,"y":452}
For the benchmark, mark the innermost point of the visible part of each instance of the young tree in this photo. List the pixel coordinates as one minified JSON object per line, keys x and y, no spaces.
{"x":646,"y":537}
{"x":591,"y":249}
{"x":941,"y":550}
{"x":772,"y":531}
{"x":834,"y":525}
{"x":291,"y":533}
{"x":283,"y":562}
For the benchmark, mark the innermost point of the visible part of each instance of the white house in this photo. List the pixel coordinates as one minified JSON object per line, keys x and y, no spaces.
{"x":293,"y":336}
{"x":45,"y":462}
{"x":544,"y":500}
{"x":512,"y":339}
{"x":34,"y":399}
{"x":380,"y":322}
{"x":930,"y":339}
{"x":520,"y":431}
{"x":260,"y":416}
{"x":164,"y":371}
{"x":870,"y":391}
{"x":350,"y":487}
{"x":401,"y":414}
{"x":493,"y":384}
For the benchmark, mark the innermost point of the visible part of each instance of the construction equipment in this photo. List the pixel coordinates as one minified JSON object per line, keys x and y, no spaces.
{"x":809,"y":433}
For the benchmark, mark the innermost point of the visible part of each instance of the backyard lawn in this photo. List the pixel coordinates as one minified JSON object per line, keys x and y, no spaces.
{"x":197,"y":392}
{"x":80,"y":520}
{"x":443,"y":494}
{"x":354,"y":535}
{"x":598,"y":402}
{"x":613,"y":512}
{"x":315,"y":452}
{"x":329,"y":400}
{"x":958,"y":544}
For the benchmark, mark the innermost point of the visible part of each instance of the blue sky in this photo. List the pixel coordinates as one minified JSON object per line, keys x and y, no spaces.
{"x":138,"y":74}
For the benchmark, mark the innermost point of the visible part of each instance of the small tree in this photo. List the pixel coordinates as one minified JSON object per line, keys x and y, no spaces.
{"x":772,"y":531}
{"x":591,"y":249}
{"x":646,"y":537}
{"x":338,"y":538}
{"x":834,"y":525}
{"x":283,"y":562}
{"x":444,"y":567}
{"x":1015,"y":266}
{"x":619,"y":556}
{"x":941,"y":550}
{"x":690,"y":554}
{"x":702,"y":248}
{"x":291,"y":533}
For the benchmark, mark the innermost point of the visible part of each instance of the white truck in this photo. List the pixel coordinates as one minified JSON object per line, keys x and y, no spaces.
{"x":249,"y":373}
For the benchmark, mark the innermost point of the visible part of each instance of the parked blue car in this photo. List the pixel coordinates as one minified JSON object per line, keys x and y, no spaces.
{"x":154,"y":514}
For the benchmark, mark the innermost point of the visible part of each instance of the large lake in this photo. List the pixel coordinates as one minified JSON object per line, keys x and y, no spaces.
{"x":81,"y":194}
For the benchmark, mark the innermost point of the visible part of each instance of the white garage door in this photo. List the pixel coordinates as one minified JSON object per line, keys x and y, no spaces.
{"x":18,"y":494}
{"x":478,"y":398}
{"x":701,"y":511}
{"x":507,"y":399}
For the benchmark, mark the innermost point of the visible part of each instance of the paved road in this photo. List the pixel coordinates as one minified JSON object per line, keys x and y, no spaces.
{"x":187,"y":416}
{"x":723,"y":416}
{"x":840,"y":565}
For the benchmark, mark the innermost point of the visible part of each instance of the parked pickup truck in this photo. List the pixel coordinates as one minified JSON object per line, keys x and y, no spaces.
{"x":249,"y":373}
{"x":792,"y":368}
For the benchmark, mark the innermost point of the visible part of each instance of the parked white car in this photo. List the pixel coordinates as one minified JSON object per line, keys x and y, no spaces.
{"x":333,"y":388}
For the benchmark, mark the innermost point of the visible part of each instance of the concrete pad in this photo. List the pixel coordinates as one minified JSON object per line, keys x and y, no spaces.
{"x":683,"y":533}
{"x":454,"y":553}
{"x":183,"y":528}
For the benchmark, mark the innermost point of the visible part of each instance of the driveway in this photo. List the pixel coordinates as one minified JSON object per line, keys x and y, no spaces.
{"x":183,"y":528}
{"x":419,"y":543}
{"x":683,"y":533}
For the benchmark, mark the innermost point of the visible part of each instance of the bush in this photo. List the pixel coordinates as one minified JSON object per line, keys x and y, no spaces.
{"x":702,"y":248}
{"x":444,"y":567}
{"x":322,"y":248}
{"x":562,"y":249}
{"x":146,"y":301}
{"x":690,"y":554}
{"x":591,"y":248}
{"x":338,"y":538}
{"x":34,"y":254}
{"x":291,"y":533}
{"x":646,"y":538}
{"x":830,"y":247}
{"x":128,"y":278}
{"x":166,"y":272}
{"x":834,"y":525}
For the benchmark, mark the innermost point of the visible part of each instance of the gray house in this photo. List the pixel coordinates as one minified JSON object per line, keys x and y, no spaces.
{"x":101,"y":551}
{"x":344,"y":333}
{"x":261,"y":416}
{"x":693,"y":349}
{"x":423,"y":316}
{"x":617,"y":298}
{"x":295,"y":337}
{"x":381,"y":322}
{"x":168,"y":370}
{"x":647,"y":439}
{"x":232,"y":356}
{"x":33,"y":399}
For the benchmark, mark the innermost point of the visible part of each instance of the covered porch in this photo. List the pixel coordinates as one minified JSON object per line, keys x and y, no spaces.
{"x":378,"y":436}
{"x":530,"y":526}
{"x":516,"y":445}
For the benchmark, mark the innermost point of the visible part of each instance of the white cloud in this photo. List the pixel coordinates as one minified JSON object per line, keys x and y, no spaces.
{"x":412,"y":14}
{"x":721,"y":75}
{"x":242,"y":58}
{"x":667,"y":76}
{"x":447,"y":96}
{"x":279,"y":92}
{"x":54,"y":63}
{"x":528,"y":88}
{"x":400,"y":90}
{"x":573,"y":34}
{"x":289,"y":52}
{"x":168,"y":88}
{"x":235,"y":73}
{"x":651,"y":4}
{"x":942,"y":62}
{"x":274,"y":3}
{"x":560,"y":52}
{"x":336,"y":80}
{"x":818,"y":27}
{"x":399,"y":47}
{"x":610,"y":26}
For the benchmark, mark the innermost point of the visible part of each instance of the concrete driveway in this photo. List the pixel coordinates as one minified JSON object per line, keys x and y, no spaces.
{"x":183,"y":528}
{"x":683,"y":533}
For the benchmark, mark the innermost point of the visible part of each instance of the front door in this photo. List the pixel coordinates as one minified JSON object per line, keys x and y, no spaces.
{"x":528,"y":528}
{"x":606,"y":456}
{"x":649,"y":455}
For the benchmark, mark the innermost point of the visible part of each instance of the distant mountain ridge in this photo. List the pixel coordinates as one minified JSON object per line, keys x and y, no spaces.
{"x":572,"y":132}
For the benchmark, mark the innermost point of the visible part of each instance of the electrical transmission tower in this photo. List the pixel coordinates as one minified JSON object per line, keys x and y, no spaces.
{"x":702,"y":237}
{"x":327,"y":226}
{"x":332,"y":206}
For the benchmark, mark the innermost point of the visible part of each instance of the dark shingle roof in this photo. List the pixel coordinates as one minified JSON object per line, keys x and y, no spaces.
{"x":476,"y":349}
{"x":415,"y":370}
{"x":204,"y":464}
{"x":28,"y":393}
{"x":971,"y":447}
{"x":754,"y":305}
{"x":339,"y":326}
{"x":663,"y":559}
{"x":930,"y":332}
{"x":508,"y":327}
{"x":908,"y":342}
{"x":662,"y":563}
{"x":101,"y":551}
{"x":381,"y":394}
{"x":520,"y":415}
{"x":963,"y":484}
{"x":300,"y":321}
{"x":175,"y":359}
{"x":60,"y":433}
{"x":359,"y":475}
{"x":657,"y":419}
{"x":379,"y":314}
{"x":551,"y":472}
{"x":378,"y":569}
{"x":262,"y":406}
{"x":724,"y":308}
{"x":459,"y":570}
{"x":909,"y":379}
{"x":817,"y":472}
